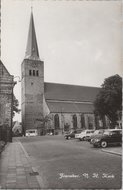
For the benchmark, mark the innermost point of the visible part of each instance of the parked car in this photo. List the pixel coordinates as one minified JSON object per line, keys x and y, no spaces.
{"x":112,"y":136}
{"x":84,"y":135}
{"x":31,"y":132}
{"x":70,"y":135}
{"x":96,"y":132}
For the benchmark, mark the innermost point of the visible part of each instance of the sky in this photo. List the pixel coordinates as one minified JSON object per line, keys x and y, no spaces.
{"x":79,"y":41}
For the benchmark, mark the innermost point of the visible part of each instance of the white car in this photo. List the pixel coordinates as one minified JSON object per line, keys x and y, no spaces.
{"x":84,"y":135}
{"x":96,"y":132}
{"x":31,"y":133}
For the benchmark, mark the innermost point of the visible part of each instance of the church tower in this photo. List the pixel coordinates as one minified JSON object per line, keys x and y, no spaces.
{"x":32,"y":85}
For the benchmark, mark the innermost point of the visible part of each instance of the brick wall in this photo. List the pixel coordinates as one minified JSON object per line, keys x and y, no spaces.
{"x":6,"y":85}
{"x":67,"y":118}
{"x":32,"y":88}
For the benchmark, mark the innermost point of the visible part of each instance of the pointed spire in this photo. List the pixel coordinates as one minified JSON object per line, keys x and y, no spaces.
{"x":32,"y":47}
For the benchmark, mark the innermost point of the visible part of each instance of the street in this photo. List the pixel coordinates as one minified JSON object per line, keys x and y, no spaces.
{"x":66,"y":164}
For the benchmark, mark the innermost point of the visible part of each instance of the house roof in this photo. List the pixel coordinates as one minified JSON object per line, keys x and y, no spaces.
{"x":65,"y":92}
{"x":3,"y":70}
{"x":5,"y":77}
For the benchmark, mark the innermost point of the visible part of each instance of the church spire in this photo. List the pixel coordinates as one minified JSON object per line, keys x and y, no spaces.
{"x":32,"y":47}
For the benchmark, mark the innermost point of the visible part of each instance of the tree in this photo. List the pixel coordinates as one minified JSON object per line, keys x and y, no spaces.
{"x":43,"y":120}
{"x":15,"y":106}
{"x":109,"y":100}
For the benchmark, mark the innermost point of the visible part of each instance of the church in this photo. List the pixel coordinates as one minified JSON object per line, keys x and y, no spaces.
{"x":51,"y":106}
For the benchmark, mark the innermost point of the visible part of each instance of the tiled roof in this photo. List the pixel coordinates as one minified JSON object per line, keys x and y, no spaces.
{"x":54,"y":91}
{"x":3,"y":70}
{"x":65,"y":107}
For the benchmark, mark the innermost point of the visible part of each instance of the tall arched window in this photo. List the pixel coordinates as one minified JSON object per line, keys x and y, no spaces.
{"x":74,"y":121}
{"x":82,"y":121}
{"x":56,"y":121}
{"x":30,"y":72}
{"x":37,"y":73}
{"x":90,"y":122}
{"x":33,"y":72}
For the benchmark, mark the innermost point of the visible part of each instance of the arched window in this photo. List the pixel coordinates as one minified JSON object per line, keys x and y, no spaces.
{"x":37,"y":73}
{"x":66,"y":127}
{"x":30,"y":72}
{"x":82,"y":121}
{"x":33,"y":72}
{"x":56,"y":121}
{"x":90,"y":122}
{"x":74,"y":121}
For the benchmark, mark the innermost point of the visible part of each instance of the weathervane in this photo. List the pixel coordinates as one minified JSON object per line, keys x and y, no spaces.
{"x":31,"y":5}
{"x":31,"y":8}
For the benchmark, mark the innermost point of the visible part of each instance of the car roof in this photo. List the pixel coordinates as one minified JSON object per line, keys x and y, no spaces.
{"x":31,"y":130}
{"x":88,"y":130}
{"x":114,"y":130}
{"x":100,"y":129}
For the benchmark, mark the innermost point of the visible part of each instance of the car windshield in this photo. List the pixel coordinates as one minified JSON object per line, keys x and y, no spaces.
{"x":88,"y":132}
{"x":96,"y":132}
{"x":30,"y":131}
{"x":112,"y":132}
{"x":72,"y":132}
{"x":78,"y":132}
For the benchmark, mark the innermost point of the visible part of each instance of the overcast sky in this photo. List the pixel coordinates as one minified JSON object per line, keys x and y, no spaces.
{"x":79,"y":41}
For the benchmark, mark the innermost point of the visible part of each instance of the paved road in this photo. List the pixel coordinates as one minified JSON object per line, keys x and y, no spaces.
{"x":72,"y":164}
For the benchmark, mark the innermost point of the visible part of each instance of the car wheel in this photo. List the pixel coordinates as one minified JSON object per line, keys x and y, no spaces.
{"x":69,"y":138}
{"x":104,"y":144}
{"x":84,"y":138}
{"x":87,"y":138}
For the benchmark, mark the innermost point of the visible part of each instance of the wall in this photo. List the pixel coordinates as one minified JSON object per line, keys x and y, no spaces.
{"x":32,"y":88}
{"x":6,"y":85}
{"x":67,"y":119}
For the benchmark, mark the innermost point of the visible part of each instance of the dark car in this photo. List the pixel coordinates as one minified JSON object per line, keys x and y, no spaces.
{"x":70,"y":135}
{"x":112,"y":136}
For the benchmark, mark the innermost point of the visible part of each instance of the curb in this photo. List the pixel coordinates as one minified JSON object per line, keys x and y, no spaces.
{"x":2,"y":148}
{"x":112,"y":152}
{"x":39,"y":179}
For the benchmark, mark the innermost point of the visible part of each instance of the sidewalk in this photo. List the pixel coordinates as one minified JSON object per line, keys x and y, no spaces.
{"x":15,"y":169}
{"x":113,"y":150}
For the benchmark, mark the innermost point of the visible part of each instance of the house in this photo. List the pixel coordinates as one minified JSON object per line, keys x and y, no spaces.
{"x":6,"y":96}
